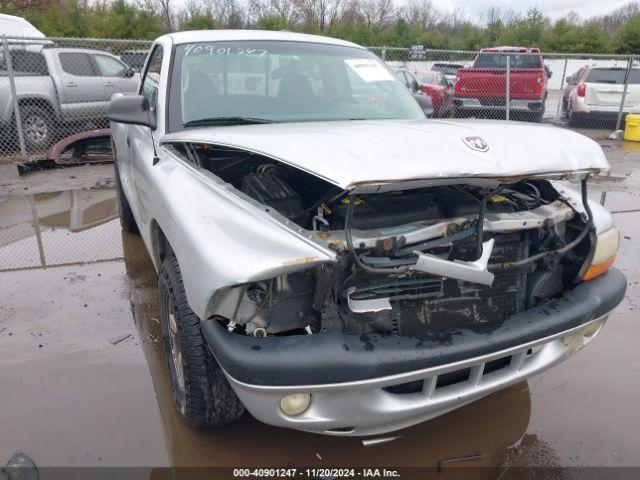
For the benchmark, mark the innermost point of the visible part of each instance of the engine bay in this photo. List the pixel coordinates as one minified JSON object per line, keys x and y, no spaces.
{"x":408,"y":260}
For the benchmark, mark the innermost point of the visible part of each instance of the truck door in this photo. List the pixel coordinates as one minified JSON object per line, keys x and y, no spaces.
{"x":135,"y":175}
{"x":80,"y":87}
{"x":116,"y":76}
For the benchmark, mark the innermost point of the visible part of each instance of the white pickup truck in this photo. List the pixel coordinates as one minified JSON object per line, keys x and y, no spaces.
{"x":337,"y":263}
{"x":57,"y":85}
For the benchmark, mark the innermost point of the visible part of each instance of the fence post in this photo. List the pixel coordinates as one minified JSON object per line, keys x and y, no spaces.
{"x":564,"y":72}
{"x":508,"y":87}
{"x":624,"y":91}
{"x":14,"y":98}
{"x":384,"y":54}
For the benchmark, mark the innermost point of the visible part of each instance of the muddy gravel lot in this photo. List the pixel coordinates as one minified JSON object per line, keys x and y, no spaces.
{"x":84,"y":383}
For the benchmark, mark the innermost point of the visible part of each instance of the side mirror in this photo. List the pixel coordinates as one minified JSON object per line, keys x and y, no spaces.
{"x":129,"y":72}
{"x":132,"y":110}
{"x":415,"y":86}
{"x":548,"y":71}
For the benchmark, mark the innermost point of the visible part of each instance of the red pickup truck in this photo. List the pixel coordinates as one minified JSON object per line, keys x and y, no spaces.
{"x":481,"y":88}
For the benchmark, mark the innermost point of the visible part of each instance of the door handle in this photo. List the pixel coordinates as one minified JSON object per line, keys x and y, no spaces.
{"x":71,"y":84}
{"x":128,"y":142}
{"x":108,"y":84}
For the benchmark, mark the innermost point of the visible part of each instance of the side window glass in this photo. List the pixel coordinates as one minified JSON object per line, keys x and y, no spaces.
{"x":149,"y":88}
{"x":78,"y":64}
{"x":109,"y":67}
{"x":29,"y":63}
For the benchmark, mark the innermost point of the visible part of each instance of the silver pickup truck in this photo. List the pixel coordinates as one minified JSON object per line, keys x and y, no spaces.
{"x":58,"y":85}
{"x":337,"y":263}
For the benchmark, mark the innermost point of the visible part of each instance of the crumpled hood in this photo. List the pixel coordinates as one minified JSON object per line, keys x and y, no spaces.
{"x":353,"y":152}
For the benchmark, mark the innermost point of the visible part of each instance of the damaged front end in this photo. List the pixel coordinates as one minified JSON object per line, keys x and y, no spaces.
{"x":409,"y":258}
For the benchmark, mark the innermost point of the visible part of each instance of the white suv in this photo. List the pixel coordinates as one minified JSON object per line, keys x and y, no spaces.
{"x":597,"y":91}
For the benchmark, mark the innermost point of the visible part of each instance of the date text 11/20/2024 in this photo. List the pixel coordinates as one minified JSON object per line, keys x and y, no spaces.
{"x":316,"y":473}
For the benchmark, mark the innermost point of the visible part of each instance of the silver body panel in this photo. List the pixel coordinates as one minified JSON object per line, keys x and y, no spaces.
{"x":222,"y":238}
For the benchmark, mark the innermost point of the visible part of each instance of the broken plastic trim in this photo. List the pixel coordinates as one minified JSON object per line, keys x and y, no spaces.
{"x":475,"y":271}
{"x":369,"y":305}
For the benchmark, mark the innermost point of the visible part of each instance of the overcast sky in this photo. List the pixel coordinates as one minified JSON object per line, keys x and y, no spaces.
{"x":553,"y":8}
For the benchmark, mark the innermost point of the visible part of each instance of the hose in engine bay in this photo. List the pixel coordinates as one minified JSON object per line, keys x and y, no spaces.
{"x":562,"y":250}
{"x":401,"y":266}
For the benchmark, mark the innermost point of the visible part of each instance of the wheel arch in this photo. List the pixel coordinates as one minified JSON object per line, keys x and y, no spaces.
{"x":37,"y":102}
{"x":160,"y":245}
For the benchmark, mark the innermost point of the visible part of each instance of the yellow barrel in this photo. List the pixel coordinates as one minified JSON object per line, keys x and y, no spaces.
{"x":632,"y":127}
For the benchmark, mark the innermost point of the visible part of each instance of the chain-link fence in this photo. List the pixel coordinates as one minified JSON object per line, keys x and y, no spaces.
{"x":57,"y":87}
{"x":59,"y":228}
{"x":53,"y":88}
{"x":575,"y":90}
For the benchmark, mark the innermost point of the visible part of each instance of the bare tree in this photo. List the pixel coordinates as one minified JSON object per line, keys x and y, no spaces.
{"x":319,"y":14}
{"x":165,"y":9}
{"x":377,"y":12}
{"x":619,"y":16}
{"x":453,"y":20}
{"x":420,"y":13}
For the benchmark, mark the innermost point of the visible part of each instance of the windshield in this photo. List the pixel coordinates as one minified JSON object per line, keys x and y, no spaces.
{"x":283,"y":82}
{"x":499,"y":60}
{"x":613,"y":76}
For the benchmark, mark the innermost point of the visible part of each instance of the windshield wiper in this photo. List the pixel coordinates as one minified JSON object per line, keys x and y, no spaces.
{"x":202,"y":122}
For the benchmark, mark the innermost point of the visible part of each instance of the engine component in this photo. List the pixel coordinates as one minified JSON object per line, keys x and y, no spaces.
{"x":268,"y":188}
{"x":388,"y":210}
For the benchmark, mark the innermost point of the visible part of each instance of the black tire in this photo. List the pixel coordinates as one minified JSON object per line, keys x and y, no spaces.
{"x":574,"y":121}
{"x":200,"y":390}
{"x":459,"y":113}
{"x":535,"y":117}
{"x":565,"y":109}
{"x":38,"y":126}
{"x":127,"y":221}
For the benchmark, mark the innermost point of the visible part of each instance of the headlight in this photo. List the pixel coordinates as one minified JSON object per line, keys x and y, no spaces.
{"x":605,"y":254}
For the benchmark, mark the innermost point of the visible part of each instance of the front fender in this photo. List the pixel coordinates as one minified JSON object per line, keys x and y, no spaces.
{"x":220,"y":237}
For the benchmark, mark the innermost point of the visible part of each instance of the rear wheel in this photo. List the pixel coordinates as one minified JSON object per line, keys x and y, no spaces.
{"x":574,"y":120}
{"x":127,"y":221}
{"x":200,"y":390}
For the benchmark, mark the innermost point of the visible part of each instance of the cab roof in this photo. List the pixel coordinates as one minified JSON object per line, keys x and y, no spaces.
{"x":196,"y":36}
{"x":511,"y":49}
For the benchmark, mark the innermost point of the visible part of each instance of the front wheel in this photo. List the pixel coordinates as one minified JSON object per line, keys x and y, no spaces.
{"x":200,"y":390}
{"x":38,"y":126}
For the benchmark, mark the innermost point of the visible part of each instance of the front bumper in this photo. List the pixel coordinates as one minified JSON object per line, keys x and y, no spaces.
{"x":349,"y":376}
{"x":498,"y":104}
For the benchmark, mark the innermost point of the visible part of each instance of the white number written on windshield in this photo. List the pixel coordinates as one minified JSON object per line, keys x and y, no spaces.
{"x":213,"y":49}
